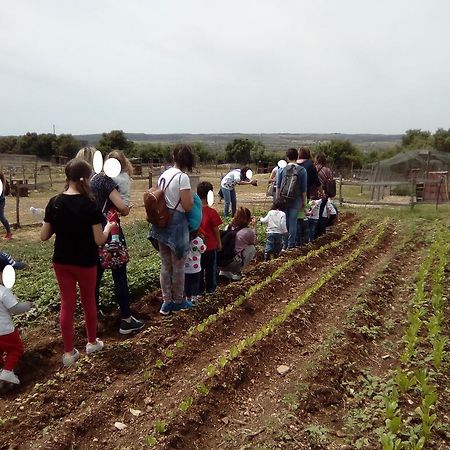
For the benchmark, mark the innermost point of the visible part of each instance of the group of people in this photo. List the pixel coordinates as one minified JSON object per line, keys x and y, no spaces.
{"x":192,"y":248}
{"x":303,"y":206}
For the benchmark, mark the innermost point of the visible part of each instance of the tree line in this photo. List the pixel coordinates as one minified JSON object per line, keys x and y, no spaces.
{"x":342,"y":154}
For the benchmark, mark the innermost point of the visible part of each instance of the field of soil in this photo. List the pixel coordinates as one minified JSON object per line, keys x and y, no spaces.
{"x":294,"y":356}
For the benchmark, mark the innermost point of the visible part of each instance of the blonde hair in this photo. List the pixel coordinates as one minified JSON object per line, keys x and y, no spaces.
{"x":87,"y":154}
{"x":125,"y":163}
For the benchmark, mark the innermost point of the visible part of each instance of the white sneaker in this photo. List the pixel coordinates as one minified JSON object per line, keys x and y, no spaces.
{"x":9,"y":376}
{"x":95,"y":347}
{"x":69,"y":360}
{"x":223,"y":273}
{"x":236,"y":276}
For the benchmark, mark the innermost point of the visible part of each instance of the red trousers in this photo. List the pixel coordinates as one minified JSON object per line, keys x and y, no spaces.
{"x":11,"y":345}
{"x":68,"y":276}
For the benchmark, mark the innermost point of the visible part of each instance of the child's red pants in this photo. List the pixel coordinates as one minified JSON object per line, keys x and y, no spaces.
{"x":11,"y":349}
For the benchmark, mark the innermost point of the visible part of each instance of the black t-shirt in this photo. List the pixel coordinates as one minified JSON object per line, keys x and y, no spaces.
{"x":71,"y":218}
{"x":313,"y":181}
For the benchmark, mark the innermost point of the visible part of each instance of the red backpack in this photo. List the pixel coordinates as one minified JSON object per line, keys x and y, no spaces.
{"x":155,"y":204}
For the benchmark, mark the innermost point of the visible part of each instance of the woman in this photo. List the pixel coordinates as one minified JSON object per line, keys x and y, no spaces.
{"x":107,"y":196}
{"x":271,"y":183}
{"x":76,"y":221}
{"x":245,"y":243}
{"x":228,"y":184}
{"x":313,"y":181}
{"x":3,"y":219}
{"x":173,"y":241}
{"x":326,"y":176}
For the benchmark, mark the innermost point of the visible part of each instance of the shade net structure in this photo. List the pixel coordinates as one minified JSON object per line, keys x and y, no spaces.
{"x":427,"y":171}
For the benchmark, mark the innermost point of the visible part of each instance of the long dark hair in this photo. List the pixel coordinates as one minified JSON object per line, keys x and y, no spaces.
{"x":184,"y":157}
{"x":79,"y":172}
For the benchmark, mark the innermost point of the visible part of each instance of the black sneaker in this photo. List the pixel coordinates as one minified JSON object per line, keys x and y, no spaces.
{"x":131,"y":326}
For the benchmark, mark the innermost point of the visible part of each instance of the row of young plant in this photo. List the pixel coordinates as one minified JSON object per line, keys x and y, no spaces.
{"x":169,"y":352}
{"x":214,"y":369}
{"x":419,"y":369}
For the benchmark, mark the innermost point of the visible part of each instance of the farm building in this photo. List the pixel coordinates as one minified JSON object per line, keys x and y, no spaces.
{"x":428,"y":172}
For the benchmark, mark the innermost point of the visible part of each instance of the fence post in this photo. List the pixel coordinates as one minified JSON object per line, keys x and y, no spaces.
{"x":150,"y":179}
{"x":341,"y":200}
{"x":413,"y":191}
{"x":50,"y":176}
{"x":35,"y":178}
{"x":18,"y":205}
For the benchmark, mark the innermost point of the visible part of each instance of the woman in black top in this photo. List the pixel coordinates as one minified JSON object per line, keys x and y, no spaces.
{"x":107,"y":196}
{"x":312,"y":182}
{"x":75,"y":220}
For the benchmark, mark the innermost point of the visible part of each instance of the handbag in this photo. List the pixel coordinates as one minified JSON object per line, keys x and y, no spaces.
{"x":113,"y":254}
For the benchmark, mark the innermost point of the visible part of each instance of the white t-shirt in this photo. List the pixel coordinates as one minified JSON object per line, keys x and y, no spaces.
{"x":196,"y":248}
{"x":231,"y":179}
{"x":180,"y":182}
{"x":7,"y":301}
{"x":123,"y":181}
{"x":276,"y":221}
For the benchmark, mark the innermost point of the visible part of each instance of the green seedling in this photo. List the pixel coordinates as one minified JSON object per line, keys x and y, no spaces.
{"x":160,"y":426}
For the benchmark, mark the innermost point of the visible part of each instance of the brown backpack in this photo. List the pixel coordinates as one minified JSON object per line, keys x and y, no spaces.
{"x":155,"y":205}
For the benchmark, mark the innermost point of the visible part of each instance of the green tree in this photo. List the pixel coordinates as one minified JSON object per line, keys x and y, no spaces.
{"x":341,"y":154}
{"x":416,"y":138}
{"x":441,"y":140}
{"x":115,"y":140}
{"x":9,"y":144}
{"x":244,"y":151}
{"x":66,"y":145}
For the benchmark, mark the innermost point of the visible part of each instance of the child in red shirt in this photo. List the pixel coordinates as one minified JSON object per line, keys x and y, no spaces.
{"x":209,"y":228}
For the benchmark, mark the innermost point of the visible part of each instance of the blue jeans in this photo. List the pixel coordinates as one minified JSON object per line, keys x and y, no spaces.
{"x":120,"y":288}
{"x":302,"y":232}
{"x":291,"y":223}
{"x":229,"y":196}
{"x":208,"y":277}
{"x":274,"y":243}
{"x":313,"y":225}
{"x":3,"y":219}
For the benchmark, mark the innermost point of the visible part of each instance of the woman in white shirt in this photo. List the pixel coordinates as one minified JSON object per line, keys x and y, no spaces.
{"x":173,"y":240}
{"x":228,"y":184}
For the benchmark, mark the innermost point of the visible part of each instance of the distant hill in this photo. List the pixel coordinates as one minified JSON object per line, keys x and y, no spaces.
{"x":273,"y":141}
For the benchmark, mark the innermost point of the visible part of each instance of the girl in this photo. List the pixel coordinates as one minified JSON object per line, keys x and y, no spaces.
{"x":3,"y":219}
{"x":107,"y":197}
{"x":244,"y":249}
{"x":276,"y":229}
{"x":123,"y":180}
{"x":228,"y":184}
{"x":76,"y":222}
{"x":173,"y":241}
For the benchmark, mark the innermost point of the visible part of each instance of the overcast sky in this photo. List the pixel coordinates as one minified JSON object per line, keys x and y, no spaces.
{"x":206,"y":66}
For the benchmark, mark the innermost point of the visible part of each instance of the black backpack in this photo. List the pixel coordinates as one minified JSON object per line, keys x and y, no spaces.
{"x":227,"y":254}
{"x":289,"y":187}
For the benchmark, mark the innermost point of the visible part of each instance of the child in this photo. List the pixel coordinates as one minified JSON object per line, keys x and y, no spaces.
{"x":192,"y":269}
{"x":302,"y":228}
{"x":276,"y":229}
{"x":313,"y":218}
{"x":210,"y":230}
{"x":123,"y":180}
{"x":77,"y":224}
{"x":10,"y":342}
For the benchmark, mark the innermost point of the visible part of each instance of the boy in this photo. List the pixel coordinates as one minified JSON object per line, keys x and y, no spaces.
{"x":210,"y":230}
{"x":276,"y":229}
{"x":10,"y":342}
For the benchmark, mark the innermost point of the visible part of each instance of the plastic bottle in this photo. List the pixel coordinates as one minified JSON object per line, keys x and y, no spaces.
{"x":113,"y":216}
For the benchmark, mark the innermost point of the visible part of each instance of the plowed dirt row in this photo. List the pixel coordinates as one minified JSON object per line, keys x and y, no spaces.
{"x":246,"y":400}
{"x":36,"y":408}
{"x":274,"y":412}
{"x":168,"y":393}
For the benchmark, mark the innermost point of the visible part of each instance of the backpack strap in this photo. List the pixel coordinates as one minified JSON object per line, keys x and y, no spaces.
{"x":163,"y":186}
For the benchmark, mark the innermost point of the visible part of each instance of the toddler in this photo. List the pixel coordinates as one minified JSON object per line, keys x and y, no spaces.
{"x":10,"y":342}
{"x":123,"y":180}
{"x":276,"y":229}
{"x":192,"y":269}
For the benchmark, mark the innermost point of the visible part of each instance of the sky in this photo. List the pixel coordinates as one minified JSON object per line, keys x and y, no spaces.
{"x":208,"y":66}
